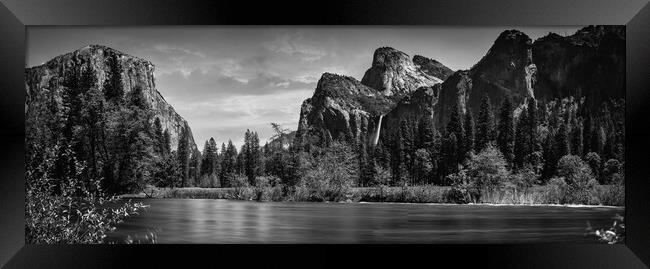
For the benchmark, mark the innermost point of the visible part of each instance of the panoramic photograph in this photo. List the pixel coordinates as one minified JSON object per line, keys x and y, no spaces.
{"x":355,"y":134}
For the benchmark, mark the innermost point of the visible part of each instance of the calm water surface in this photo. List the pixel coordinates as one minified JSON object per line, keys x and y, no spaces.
{"x":229,"y":221}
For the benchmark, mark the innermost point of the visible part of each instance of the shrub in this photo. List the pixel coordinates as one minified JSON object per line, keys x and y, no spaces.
{"x":463,"y":188}
{"x":580,"y":181}
{"x":330,"y":174}
{"x":593,"y":159}
{"x":613,"y":195}
{"x":458,"y":195}
{"x":69,"y":210}
{"x":487,"y":169}
{"x":382,"y":178}
{"x":611,"y":169}
{"x":556,"y":191}
{"x":208,"y":181}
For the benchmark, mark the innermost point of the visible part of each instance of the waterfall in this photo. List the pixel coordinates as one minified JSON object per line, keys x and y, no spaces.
{"x":376,"y":138}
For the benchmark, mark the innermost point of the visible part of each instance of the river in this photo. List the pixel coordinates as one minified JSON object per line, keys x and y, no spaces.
{"x":190,"y":221}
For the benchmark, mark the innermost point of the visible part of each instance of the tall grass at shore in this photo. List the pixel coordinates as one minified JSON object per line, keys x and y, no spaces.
{"x":605,"y":195}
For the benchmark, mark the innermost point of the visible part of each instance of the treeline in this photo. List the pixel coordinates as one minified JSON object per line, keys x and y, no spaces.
{"x":532,"y":137}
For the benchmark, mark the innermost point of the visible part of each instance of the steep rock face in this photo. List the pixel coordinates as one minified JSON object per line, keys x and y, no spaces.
{"x":394,"y":73}
{"x":589,"y":64}
{"x":432,"y":67}
{"x":416,"y":106}
{"x":506,"y":70}
{"x":456,"y":89}
{"x":136,"y":73}
{"x":341,"y":109}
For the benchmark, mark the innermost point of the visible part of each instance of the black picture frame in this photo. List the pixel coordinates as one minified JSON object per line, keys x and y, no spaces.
{"x":15,"y":15}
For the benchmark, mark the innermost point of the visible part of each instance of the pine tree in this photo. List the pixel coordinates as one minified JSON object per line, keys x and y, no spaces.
{"x":408,"y":145}
{"x":167,"y":144}
{"x":382,"y":155}
{"x":362,"y":157}
{"x":228,"y":163}
{"x":158,"y":137}
{"x":506,"y":131}
{"x":550,"y":158}
{"x":425,"y":133}
{"x":206,"y":164}
{"x":598,"y":139}
{"x":195,"y":166}
{"x":240,"y":160}
{"x":576,"y":138}
{"x":450,"y":154}
{"x":522,"y":147}
{"x":562,"y":141}
{"x":531,"y":128}
{"x":184,"y":155}
{"x":484,"y":124}
{"x":468,"y":144}
{"x":251,"y":156}
{"x":435,"y":151}
{"x":210,"y":160}
{"x":455,"y":125}
{"x":587,"y":130}
{"x":113,"y":89}
{"x":422,"y":166}
{"x":397,"y":158}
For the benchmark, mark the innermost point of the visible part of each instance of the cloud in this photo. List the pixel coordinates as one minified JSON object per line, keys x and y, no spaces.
{"x":295,"y":44}
{"x":200,"y":84}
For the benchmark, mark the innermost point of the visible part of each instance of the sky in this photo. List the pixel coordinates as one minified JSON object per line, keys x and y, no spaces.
{"x":226,"y":79}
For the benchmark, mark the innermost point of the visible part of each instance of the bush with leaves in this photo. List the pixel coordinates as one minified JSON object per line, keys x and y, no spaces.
{"x":523,"y":180}
{"x":69,"y":210}
{"x":488,"y":168}
{"x":331,"y":173}
{"x":484,"y":172}
{"x":167,"y":172}
{"x":463,"y":190}
{"x":612,"y":171}
{"x":556,"y":191}
{"x":577,"y":175}
{"x":593,"y":159}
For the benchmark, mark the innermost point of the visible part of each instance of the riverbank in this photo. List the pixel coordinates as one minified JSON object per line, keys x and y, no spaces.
{"x":536,"y":195}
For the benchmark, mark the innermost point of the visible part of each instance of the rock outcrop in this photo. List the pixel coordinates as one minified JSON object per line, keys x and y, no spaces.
{"x":506,"y":70}
{"x":394,"y":73}
{"x":432,"y":67}
{"x":589,"y":64}
{"x":136,"y":73}
{"x":341,"y":109}
{"x":416,"y":106}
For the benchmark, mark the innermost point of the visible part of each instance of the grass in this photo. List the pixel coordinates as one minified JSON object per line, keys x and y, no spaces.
{"x":610,"y":195}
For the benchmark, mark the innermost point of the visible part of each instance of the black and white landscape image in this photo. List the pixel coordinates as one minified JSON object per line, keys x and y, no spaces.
{"x":218,"y":134}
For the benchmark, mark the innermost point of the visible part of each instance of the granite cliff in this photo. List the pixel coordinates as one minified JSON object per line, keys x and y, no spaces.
{"x":588,"y":65}
{"x":136,"y":73}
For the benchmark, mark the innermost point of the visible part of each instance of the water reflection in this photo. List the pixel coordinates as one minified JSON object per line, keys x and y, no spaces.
{"x":225,"y":221}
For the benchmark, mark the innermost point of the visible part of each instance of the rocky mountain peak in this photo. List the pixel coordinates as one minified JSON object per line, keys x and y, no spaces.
{"x":394,"y":73}
{"x":511,"y":50}
{"x":387,"y":56}
{"x":589,"y":63}
{"x":432,"y":67}
{"x":136,"y":73}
